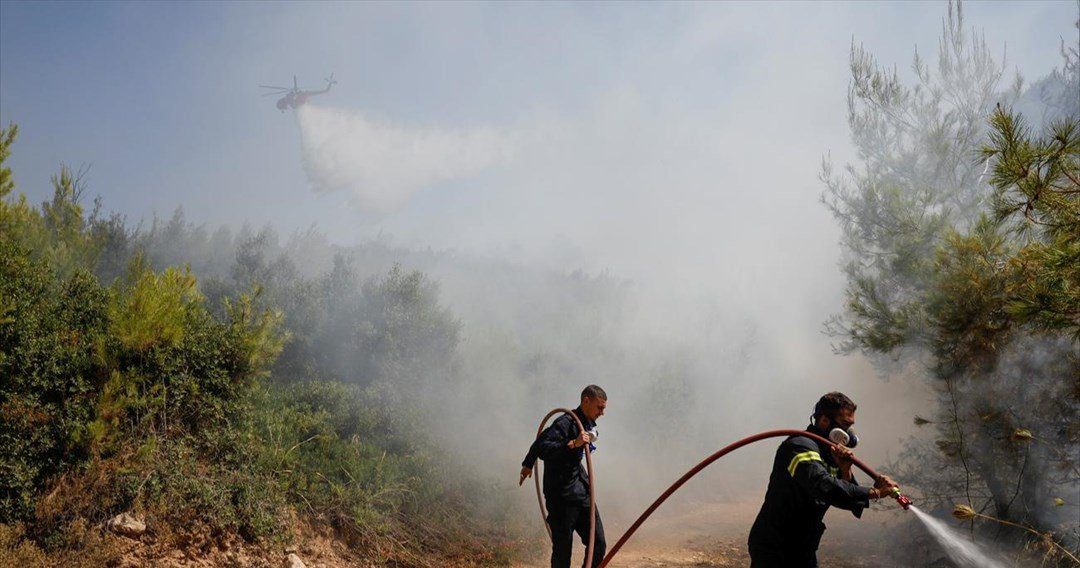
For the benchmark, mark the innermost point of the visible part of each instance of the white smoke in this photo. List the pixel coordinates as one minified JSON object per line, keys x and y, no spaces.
{"x":383,"y":164}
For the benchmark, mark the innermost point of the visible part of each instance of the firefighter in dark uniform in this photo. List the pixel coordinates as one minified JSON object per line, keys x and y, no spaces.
{"x":807,"y":478}
{"x":566,"y":481}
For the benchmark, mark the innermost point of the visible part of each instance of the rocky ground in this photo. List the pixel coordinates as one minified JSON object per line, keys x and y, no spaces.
{"x":310,"y":549}
{"x":701,"y":535}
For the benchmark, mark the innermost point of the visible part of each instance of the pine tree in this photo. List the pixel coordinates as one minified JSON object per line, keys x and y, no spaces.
{"x":959,"y":230}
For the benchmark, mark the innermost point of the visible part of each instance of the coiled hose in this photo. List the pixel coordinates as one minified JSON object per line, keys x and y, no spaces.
{"x":674,"y":486}
{"x":592,"y":494}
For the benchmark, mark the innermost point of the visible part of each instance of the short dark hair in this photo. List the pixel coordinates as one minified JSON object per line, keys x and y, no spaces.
{"x":593,"y":391}
{"x":832,"y":403}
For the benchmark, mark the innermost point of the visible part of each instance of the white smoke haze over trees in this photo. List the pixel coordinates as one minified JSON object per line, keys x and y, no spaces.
{"x":383,"y":164}
{"x":499,"y":204}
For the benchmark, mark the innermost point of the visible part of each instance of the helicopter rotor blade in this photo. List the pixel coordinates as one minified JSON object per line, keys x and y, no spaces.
{"x":272,"y":87}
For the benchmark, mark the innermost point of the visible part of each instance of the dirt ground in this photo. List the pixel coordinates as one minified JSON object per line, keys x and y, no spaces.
{"x":714,"y":535}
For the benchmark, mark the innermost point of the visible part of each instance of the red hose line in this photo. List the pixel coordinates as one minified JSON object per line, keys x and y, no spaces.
{"x":705,"y":463}
{"x":592,"y":482}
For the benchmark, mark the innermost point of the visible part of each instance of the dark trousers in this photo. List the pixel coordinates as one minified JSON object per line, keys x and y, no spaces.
{"x":767,"y":557}
{"x":565,"y":520}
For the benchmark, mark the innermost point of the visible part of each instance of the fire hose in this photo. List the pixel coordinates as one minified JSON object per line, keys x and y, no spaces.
{"x":902,"y":499}
{"x":592,"y":494}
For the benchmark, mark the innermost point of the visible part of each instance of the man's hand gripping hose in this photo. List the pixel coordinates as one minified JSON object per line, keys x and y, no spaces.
{"x":892,"y":490}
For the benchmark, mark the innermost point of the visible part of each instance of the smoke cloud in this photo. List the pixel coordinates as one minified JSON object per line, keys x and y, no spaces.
{"x":382,"y":164}
{"x":629,"y":200}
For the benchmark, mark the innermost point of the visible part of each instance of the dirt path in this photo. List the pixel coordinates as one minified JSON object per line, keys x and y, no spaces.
{"x":714,"y":536}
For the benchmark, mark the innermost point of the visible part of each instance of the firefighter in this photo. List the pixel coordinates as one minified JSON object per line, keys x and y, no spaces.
{"x":566,"y":481}
{"x":807,"y":478}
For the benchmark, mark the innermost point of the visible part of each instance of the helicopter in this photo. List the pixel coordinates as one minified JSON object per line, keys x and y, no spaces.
{"x":296,"y":97}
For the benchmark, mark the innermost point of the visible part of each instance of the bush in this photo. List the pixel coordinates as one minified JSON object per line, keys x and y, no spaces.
{"x":141,"y":396}
{"x":49,"y":335}
{"x":343,"y":456}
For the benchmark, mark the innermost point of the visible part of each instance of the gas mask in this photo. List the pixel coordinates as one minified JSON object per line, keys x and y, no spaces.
{"x":844,"y":437}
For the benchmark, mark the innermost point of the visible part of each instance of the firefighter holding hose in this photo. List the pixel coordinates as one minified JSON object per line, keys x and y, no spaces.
{"x":566,"y":483}
{"x":807,"y":478}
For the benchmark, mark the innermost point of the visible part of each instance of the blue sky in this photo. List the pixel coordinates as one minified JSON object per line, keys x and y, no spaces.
{"x":161,"y":100}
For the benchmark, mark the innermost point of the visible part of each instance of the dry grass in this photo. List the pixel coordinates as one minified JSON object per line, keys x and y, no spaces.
{"x":89,"y":548}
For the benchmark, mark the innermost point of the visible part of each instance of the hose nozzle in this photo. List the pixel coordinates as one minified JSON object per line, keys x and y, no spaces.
{"x":904,"y":500}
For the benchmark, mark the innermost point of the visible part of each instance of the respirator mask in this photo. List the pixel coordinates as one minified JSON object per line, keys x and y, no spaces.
{"x":844,"y":437}
{"x":593,"y":435}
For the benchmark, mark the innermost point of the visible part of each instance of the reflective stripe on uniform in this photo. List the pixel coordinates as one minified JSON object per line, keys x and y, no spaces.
{"x":800,"y":458}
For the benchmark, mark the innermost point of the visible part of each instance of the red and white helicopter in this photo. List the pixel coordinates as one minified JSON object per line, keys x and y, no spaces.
{"x":295,"y":97}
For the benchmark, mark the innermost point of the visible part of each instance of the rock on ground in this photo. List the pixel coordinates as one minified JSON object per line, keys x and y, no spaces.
{"x":127,"y":525}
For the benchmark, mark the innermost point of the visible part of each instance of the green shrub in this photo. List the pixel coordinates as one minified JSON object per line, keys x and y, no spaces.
{"x":51,"y":375}
{"x":140,"y":396}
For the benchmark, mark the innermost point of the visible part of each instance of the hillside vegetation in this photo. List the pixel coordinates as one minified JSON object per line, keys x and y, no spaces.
{"x":203,"y":408}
